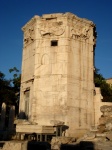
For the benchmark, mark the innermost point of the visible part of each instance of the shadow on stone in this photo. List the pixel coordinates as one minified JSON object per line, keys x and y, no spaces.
{"x":34,"y":145}
{"x":1,"y":144}
{"x":22,"y":115}
{"x":86,"y":145}
{"x":83,"y":145}
{"x":70,"y":147}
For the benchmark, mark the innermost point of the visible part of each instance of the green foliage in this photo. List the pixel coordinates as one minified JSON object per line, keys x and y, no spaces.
{"x":10,"y":89}
{"x":16,"y":79}
{"x":6,"y":93}
{"x":106,"y":89}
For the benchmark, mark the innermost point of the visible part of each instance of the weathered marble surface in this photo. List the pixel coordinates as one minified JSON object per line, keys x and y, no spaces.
{"x":34,"y":129}
{"x":57,"y":71}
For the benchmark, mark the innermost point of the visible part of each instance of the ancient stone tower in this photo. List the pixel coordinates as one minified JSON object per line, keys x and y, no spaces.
{"x":57,"y":71}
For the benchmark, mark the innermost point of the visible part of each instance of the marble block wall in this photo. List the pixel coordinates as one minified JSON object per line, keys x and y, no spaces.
{"x":58,"y":70}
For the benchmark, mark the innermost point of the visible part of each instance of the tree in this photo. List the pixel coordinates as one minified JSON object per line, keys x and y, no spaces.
{"x":15,"y":82}
{"x":16,"y":79}
{"x":6,"y":92}
{"x":10,"y":89}
{"x":106,"y":89}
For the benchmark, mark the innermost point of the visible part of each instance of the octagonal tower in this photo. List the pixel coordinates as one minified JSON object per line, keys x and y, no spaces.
{"x":58,"y":70}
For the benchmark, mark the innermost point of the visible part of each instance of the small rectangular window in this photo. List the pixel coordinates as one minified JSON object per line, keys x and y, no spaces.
{"x":54,"y":43}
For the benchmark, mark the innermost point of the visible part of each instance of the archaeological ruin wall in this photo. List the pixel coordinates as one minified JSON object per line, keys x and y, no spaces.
{"x":57,"y":84}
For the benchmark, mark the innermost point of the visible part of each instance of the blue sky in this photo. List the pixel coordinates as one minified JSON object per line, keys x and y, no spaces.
{"x":14,"y":14}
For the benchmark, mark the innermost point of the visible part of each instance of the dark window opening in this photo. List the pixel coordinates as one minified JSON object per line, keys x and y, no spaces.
{"x":50,"y":18}
{"x":54,"y":43}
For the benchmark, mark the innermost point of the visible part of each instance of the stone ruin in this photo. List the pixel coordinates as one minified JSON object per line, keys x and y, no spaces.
{"x":58,"y":101}
{"x":7,"y":128}
{"x":57,"y":84}
{"x":97,"y":138}
{"x":105,"y":121}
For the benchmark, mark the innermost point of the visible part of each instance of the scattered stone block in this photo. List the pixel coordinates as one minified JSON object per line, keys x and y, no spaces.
{"x":109,"y":136}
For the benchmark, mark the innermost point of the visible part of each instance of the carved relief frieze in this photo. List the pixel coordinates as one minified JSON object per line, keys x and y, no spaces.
{"x":80,"y":33}
{"x":52,"y":29}
{"x":29,"y":36}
